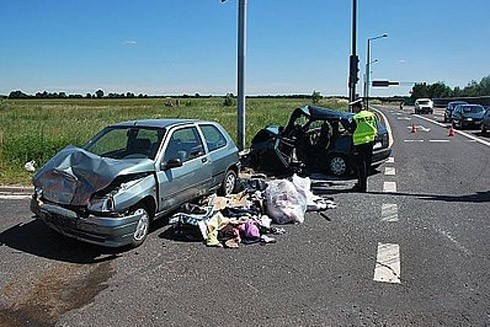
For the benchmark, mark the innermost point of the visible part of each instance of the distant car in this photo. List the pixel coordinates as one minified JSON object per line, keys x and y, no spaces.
{"x":109,"y":191}
{"x":485,"y":123}
{"x":450,"y":108}
{"x":424,"y":106}
{"x":314,"y":140}
{"x":468,"y":115}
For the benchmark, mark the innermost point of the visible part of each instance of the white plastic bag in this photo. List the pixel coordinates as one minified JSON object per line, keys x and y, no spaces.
{"x":283,"y":202}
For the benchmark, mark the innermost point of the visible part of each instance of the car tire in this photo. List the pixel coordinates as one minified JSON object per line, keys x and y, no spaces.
{"x":483,"y":130}
{"x":338,"y":165}
{"x":229,"y":183}
{"x":143,"y":226}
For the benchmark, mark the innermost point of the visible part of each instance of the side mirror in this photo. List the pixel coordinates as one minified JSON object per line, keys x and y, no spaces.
{"x":172,"y":163}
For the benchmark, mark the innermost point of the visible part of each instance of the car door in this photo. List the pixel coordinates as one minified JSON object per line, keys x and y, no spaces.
{"x":181,"y":183}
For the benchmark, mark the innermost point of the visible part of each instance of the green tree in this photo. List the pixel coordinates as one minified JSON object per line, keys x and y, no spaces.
{"x":99,"y":93}
{"x":315,"y":97}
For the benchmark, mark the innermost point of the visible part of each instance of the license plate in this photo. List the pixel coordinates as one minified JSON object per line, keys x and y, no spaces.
{"x":60,"y":221}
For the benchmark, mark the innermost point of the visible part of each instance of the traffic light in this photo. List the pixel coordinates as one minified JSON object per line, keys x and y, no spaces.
{"x":353,"y":69}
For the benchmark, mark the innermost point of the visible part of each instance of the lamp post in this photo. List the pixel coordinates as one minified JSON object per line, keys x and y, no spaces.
{"x":368,"y":65}
{"x":365,"y":76}
{"x":242,"y":32}
{"x":353,"y":58}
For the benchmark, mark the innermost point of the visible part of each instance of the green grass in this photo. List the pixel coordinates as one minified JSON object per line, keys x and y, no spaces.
{"x":37,"y":129}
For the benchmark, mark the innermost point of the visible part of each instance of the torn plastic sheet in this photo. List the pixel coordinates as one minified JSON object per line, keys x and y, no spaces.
{"x":74,"y":174}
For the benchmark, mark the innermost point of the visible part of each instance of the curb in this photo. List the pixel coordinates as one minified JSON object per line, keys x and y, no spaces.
{"x":16,"y":189}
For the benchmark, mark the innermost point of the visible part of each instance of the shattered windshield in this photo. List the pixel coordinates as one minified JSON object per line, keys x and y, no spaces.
{"x":126,"y":142}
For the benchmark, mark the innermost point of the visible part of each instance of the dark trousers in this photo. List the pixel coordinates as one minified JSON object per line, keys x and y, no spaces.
{"x":364,"y":158}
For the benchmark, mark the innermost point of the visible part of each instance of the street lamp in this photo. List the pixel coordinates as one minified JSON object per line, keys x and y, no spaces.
{"x":368,"y":65}
{"x":242,"y":30}
{"x":365,"y":72}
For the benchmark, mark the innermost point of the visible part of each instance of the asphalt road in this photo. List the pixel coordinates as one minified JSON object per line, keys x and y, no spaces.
{"x":413,"y":251}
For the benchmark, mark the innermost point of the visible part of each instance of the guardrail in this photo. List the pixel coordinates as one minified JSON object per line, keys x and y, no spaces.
{"x":442,"y":102}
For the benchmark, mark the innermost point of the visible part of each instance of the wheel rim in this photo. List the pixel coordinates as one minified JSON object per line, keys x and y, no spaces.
{"x":338,"y":166}
{"x":230,"y":183}
{"x":143,"y":224}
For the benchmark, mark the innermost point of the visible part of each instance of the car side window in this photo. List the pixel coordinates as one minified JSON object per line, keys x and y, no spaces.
{"x":184,"y":144}
{"x":213,"y":136}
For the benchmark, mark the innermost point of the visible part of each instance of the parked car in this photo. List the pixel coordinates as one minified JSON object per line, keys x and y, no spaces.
{"x":468,"y":115}
{"x":424,"y":106}
{"x":450,"y":108}
{"x":485,"y":123}
{"x":314,"y":140}
{"x":109,"y":191}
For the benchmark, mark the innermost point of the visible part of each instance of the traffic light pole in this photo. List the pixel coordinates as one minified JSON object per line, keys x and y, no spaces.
{"x":353,"y":59}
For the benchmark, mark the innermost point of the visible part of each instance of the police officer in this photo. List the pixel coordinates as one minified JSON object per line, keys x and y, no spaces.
{"x":364,"y":132}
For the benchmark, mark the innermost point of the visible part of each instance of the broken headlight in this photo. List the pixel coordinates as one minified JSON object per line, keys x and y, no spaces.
{"x":103,"y":203}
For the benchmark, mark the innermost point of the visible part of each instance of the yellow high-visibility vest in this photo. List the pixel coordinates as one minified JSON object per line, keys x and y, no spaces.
{"x":366,"y":129}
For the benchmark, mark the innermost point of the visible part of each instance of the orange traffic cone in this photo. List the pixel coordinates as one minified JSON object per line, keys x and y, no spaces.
{"x":414,"y":128}
{"x":451,"y":130}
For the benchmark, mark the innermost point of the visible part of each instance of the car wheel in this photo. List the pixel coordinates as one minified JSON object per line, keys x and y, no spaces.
{"x":142,"y":227}
{"x":483,"y":130}
{"x":445,"y":118}
{"x":229,"y":183}
{"x":338,"y":166}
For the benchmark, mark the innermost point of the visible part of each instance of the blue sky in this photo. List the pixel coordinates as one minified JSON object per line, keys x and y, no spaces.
{"x":175,"y":46}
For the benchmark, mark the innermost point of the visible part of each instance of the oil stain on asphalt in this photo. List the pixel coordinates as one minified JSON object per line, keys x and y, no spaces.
{"x":59,"y":290}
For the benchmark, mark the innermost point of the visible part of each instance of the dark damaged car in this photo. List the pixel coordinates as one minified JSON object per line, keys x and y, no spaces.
{"x":109,"y":191}
{"x":314,"y":140}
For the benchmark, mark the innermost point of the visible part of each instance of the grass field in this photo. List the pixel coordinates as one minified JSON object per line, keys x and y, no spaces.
{"x":37,"y":129}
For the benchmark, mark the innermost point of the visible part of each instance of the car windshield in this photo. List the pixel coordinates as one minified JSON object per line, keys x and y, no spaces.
{"x":423,"y":102}
{"x":126,"y":142}
{"x":473,"y":109}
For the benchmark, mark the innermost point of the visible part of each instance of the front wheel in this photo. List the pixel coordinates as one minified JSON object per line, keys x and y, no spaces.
{"x":338,"y":166}
{"x":143,"y":226}
{"x":229,"y":183}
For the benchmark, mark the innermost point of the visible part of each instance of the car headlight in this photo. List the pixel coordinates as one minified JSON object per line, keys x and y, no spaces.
{"x":469,"y":119}
{"x":103,"y":203}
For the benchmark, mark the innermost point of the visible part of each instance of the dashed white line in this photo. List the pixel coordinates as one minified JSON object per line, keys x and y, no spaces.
{"x":389,"y":212}
{"x":387,"y":268}
{"x":413,"y":141}
{"x":389,"y":187}
{"x":390,"y":160}
{"x":438,"y":141}
{"x":390,"y":171}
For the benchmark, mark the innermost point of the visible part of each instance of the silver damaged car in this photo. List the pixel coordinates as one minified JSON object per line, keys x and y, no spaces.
{"x":109,"y":191}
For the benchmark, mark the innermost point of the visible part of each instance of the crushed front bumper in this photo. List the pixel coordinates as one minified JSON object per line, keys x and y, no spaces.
{"x":99,"y":230}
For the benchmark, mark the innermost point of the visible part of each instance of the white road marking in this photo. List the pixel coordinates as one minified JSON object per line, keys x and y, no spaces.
{"x":438,"y":141}
{"x":413,"y":141}
{"x":420,"y":127}
{"x":390,"y":160}
{"x":387,"y":268}
{"x":390,"y":171}
{"x":404,"y":118}
{"x":388,"y":127}
{"x":471,"y":141}
{"x":476,"y":139}
{"x":389,"y":187}
{"x":389,"y":212}
{"x":14,"y":196}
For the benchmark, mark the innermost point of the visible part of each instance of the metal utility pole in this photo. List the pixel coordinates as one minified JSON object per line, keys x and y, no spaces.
{"x":242,"y":33}
{"x":353,"y":59}
{"x":242,"y":40}
{"x":368,"y":65}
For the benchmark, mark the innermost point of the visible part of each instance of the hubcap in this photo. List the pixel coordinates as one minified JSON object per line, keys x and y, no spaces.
{"x":143,"y":224}
{"x":338,"y":166}
{"x":230,"y":183}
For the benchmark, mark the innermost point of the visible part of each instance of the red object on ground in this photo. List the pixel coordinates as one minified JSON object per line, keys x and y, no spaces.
{"x":451,"y":130}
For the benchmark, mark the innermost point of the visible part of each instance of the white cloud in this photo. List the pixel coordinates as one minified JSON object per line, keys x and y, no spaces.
{"x":402,"y":61}
{"x":129,"y":42}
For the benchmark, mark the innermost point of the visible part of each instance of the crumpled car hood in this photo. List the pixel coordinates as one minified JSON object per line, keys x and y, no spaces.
{"x":74,"y":174}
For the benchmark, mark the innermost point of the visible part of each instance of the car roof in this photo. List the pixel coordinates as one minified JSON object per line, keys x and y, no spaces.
{"x":457,"y":102}
{"x":157,"y":123}
{"x":423,"y":99}
{"x":323,"y":113}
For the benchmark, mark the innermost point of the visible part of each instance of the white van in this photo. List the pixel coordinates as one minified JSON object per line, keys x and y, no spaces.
{"x":424,"y":106}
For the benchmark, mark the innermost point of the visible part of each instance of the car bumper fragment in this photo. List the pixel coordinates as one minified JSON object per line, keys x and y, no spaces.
{"x":106,"y":231}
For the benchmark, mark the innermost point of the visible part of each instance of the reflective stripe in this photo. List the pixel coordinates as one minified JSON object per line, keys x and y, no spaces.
{"x":365,"y":127}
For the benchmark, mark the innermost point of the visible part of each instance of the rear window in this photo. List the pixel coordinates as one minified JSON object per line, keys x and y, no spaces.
{"x":473,"y":109}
